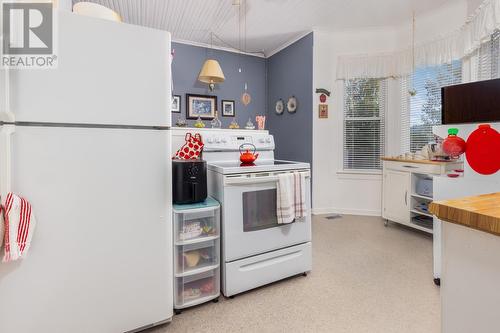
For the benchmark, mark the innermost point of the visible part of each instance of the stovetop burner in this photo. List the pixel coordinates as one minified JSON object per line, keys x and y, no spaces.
{"x":235,"y":167}
{"x":234,"y":164}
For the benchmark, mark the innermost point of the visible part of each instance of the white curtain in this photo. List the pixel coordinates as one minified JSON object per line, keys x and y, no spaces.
{"x":456,"y":45}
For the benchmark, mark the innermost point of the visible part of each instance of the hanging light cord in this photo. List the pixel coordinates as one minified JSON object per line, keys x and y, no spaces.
{"x":240,"y":48}
{"x":235,"y":47}
{"x":412,"y":91}
{"x":413,"y":43}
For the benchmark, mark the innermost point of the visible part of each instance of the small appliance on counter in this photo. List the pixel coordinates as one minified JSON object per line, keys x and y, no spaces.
{"x":435,"y":150}
{"x":189,"y":178}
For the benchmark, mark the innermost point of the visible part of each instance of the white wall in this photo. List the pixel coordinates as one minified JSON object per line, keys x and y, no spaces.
{"x":334,"y":191}
{"x":351,"y":193}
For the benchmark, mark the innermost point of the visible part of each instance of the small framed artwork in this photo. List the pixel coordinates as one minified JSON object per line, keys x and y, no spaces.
{"x":228,"y":108}
{"x":202,"y":106}
{"x":176,"y":103}
{"x":323,"y":111}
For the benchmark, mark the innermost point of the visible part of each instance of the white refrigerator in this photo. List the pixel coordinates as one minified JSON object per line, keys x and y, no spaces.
{"x":88,"y":144}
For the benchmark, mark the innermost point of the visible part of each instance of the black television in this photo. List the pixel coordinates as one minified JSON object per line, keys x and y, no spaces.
{"x":476,"y":102}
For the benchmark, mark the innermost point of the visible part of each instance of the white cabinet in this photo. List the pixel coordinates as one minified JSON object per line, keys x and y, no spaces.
{"x":396,"y":192}
{"x":407,"y":191}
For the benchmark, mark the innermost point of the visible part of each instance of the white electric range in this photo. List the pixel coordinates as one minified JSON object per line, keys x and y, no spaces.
{"x":256,"y":250}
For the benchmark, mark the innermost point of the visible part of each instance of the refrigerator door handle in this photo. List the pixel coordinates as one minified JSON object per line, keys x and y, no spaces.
{"x":6,"y":132}
{"x":7,"y":128}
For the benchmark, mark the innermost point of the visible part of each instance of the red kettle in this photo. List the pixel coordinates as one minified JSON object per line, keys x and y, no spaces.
{"x":454,"y":145}
{"x":247,"y":157}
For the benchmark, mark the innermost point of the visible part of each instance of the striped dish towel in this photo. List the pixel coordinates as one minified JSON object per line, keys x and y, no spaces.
{"x":291,"y":197}
{"x":19,"y":224}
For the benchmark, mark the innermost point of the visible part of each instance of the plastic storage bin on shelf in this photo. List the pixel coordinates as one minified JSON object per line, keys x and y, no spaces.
{"x":195,"y":225}
{"x":193,"y":258}
{"x":424,"y":187}
{"x":196,"y":289}
{"x":196,"y":253}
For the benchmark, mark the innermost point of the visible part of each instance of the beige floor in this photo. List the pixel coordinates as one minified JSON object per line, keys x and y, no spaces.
{"x":365,"y":278}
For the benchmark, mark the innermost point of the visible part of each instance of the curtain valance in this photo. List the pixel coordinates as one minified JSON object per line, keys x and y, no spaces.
{"x":456,"y":45}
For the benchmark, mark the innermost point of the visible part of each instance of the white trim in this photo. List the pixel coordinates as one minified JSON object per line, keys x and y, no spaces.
{"x":287,"y":44}
{"x":361,"y":212}
{"x":221,"y":48}
{"x":360,"y":174}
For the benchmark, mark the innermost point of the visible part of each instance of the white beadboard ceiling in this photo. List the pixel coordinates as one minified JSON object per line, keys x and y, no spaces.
{"x":270,"y":23}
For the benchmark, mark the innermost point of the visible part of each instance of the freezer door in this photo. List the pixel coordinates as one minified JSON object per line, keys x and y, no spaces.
{"x":100,"y":259}
{"x":108,"y":73}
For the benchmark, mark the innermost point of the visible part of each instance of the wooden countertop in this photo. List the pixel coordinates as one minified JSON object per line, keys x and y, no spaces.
{"x":398,"y":159}
{"x":480,"y":212}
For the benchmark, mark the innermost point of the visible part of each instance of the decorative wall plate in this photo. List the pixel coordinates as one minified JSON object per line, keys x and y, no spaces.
{"x":280,"y":106}
{"x":246,"y":99}
{"x":291,"y":105}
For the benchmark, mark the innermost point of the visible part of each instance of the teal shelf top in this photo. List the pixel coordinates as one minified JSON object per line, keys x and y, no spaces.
{"x":209,"y":202}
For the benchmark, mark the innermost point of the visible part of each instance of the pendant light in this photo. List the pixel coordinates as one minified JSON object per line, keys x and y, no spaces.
{"x":96,"y":10}
{"x":412,"y":91}
{"x":211,"y":72}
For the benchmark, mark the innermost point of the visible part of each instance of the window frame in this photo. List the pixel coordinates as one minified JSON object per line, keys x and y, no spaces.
{"x":346,"y":172}
{"x":488,"y":58}
{"x":407,"y":116}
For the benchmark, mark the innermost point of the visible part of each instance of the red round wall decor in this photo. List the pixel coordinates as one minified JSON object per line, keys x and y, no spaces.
{"x":483,"y":150}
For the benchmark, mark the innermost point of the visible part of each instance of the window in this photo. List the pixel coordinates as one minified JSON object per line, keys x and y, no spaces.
{"x":364,"y":113}
{"x":488,"y":58}
{"x":422,"y":110}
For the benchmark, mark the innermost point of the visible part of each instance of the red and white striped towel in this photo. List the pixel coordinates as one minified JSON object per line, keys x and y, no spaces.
{"x":291,"y":197}
{"x":19,"y":222}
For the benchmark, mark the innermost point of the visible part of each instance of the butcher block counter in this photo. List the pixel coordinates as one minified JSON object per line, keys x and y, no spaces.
{"x":480,"y":212}
{"x":406,"y":160}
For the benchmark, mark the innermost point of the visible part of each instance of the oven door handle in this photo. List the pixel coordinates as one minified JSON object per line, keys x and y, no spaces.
{"x":256,"y":179}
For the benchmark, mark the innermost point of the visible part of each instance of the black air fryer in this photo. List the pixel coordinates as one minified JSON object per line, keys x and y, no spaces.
{"x":189,"y":178}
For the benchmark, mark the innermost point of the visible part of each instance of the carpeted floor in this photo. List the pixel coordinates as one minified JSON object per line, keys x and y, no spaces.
{"x":365,"y":278}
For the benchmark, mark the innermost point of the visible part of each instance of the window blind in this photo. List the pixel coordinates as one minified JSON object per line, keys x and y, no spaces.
{"x":488,"y":58}
{"x":423,"y":110}
{"x":365,"y":103}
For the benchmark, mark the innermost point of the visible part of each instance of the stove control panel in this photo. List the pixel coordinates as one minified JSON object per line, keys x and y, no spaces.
{"x":217,"y":142}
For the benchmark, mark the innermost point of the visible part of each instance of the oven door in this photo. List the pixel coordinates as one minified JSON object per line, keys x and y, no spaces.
{"x":250,"y":224}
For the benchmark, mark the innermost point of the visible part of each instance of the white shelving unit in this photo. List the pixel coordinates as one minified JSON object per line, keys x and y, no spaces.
{"x":196,"y":254}
{"x":402,"y":201}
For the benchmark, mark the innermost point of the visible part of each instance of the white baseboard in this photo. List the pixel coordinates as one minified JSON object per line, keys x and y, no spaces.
{"x":364,"y":212}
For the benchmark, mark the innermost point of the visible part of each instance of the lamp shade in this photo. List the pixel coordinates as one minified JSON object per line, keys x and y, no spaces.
{"x":211,"y":72}
{"x":96,"y":10}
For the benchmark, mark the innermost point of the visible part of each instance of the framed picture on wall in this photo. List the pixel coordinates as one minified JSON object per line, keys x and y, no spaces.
{"x":202,"y":106}
{"x":228,"y":108}
{"x":176,"y":104}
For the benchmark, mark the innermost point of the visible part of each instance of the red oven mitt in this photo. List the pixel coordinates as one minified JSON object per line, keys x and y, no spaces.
{"x":192,"y":149}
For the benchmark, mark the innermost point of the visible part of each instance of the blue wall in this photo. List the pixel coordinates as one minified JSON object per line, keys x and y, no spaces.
{"x":290,"y":72}
{"x":186,"y":67}
{"x":287,"y":73}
